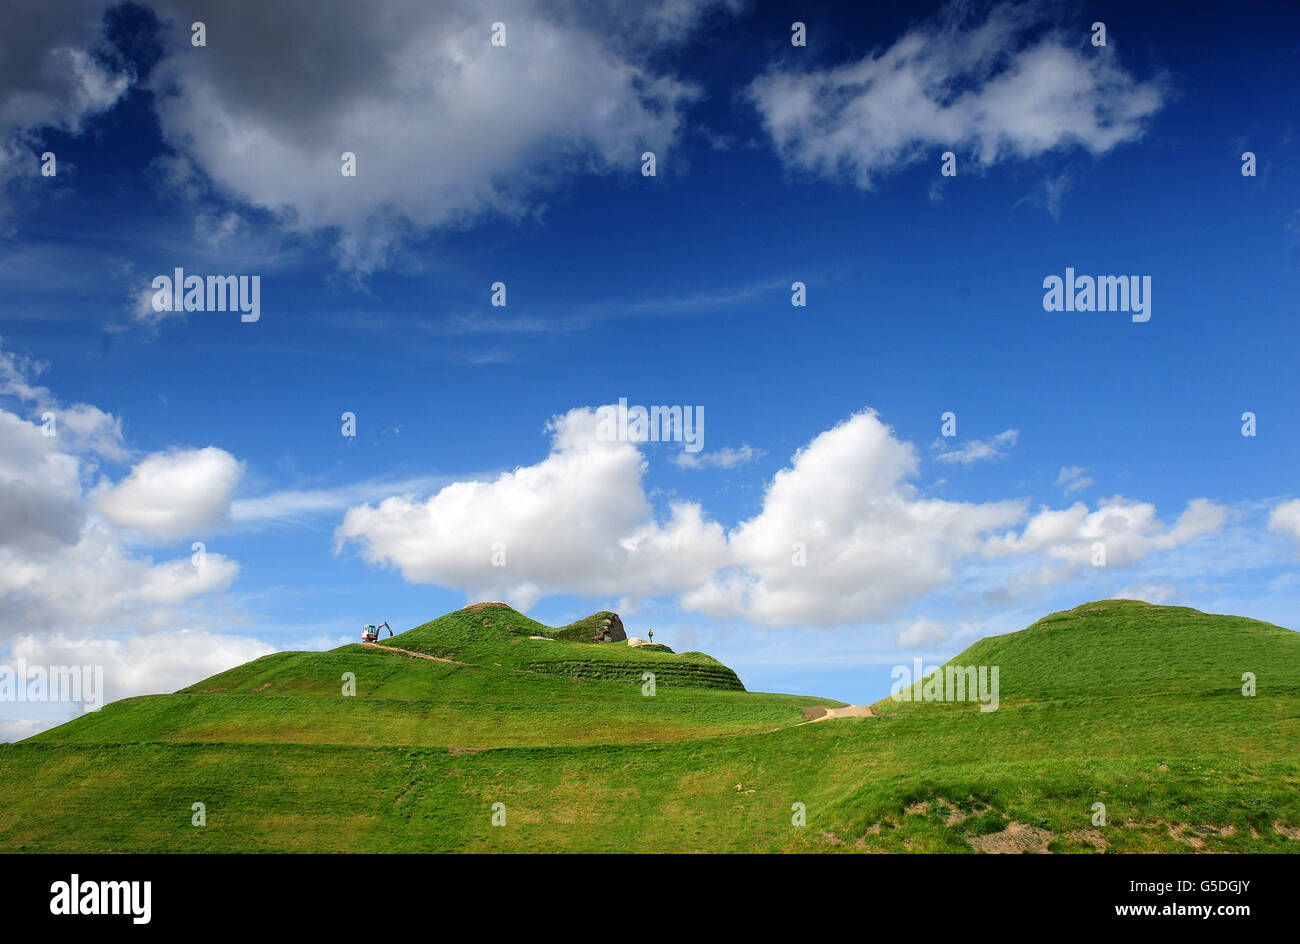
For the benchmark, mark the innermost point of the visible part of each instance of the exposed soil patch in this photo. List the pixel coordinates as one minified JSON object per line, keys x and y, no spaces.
{"x":480,"y":607}
{"x":413,"y":655}
{"x":1195,"y":836}
{"x":1091,"y":837}
{"x":1016,"y":838}
{"x":1291,"y":832}
{"x":955,"y":815}
{"x":821,"y":713}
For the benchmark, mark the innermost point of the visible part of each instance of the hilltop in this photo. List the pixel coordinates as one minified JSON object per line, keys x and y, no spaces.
{"x":1135,"y":707}
{"x":495,"y":634}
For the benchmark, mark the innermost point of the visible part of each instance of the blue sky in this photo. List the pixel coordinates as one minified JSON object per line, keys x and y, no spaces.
{"x":521,"y":164}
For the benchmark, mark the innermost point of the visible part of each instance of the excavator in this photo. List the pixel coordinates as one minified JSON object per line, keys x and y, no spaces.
{"x":371,"y":632}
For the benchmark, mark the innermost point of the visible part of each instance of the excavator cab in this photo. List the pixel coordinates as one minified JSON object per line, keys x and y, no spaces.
{"x":370,"y":633}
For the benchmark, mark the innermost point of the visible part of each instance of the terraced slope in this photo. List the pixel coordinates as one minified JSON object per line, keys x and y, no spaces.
{"x":494,"y":634}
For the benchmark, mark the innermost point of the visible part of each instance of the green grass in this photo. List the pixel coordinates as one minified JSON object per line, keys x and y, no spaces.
{"x":1135,"y":706}
{"x":585,"y":629}
{"x":498,"y":636}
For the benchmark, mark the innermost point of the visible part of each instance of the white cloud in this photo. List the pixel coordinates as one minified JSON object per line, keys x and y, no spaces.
{"x":976,"y":450}
{"x":922,"y":632}
{"x":88,"y":429}
{"x":842,"y":536}
{"x":63,"y":567}
{"x":674,"y":20}
{"x":294,"y":505}
{"x":143,"y":312}
{"x":1130,"y":530}
{"x":94,"y":581}
{"x":1285,"y":519}
{"x":18,"y":375}
{"x":23,"y":728}
{"x":79,"y":427}
{"x":991,"y":90}
{"x":1050,"y":193}
{"x":40,"y":507}
{"x":145,"y":663}
{"x":578,"y":521}
{"x":1149,"y":592}
{"x":871,"y":541}
{"x":1072,"y":479}
{"x":491,"y":129}
{"x":177,"y":494}
{"x":725,"y":458}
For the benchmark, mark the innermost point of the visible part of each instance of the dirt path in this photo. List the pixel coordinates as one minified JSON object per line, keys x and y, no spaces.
{"x":413,"y":655}
{"x":818,"y":713}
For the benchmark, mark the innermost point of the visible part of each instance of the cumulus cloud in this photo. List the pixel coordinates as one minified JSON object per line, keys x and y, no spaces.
{"x":40,"y":509}
{"x":843,"y":536}
{"x":176,"y":494}
{"x":141,"y":664}
{"x":1004,"y":87}
{"x":64,"y":569}
{"x":62,"y":565}
{"x":144,"y":664}
{"x":1129,"y":531}
{"x":1285,"y":519}
{"x":976,"y":450}
{"x":578,"y":521}
{"x":412,"y":84}
{"x":79,"y":427}
{"x":867,"y":539}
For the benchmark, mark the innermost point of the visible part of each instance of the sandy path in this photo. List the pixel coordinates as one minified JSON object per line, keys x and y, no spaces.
{"x":818,"y":713}
{"x":413,"y":655}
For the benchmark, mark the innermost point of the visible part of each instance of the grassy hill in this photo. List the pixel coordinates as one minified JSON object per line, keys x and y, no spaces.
{"x":1133,"y":706}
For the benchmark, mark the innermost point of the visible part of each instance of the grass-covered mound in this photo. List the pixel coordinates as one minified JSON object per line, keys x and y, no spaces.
{"x":598,"y":627}
{"x":496,"y":635}
{"x":1136,"y":707}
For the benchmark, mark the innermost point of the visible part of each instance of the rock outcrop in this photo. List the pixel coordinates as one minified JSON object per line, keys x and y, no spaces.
{"x":611,"y":630}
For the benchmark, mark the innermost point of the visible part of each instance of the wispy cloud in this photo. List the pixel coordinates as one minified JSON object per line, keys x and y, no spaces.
{"x":1009,"y":86}
{"x":976,"y":450}
{"x":298,"y":505}
{"x":542,"y":321}
{"x":725,"y":458}
{"x":1073,"y":480}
